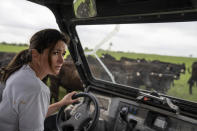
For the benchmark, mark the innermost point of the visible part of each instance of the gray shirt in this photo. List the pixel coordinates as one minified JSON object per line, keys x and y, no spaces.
{"x":25,"y":102}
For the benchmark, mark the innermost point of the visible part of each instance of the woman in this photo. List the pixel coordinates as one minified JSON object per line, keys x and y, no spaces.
{"x":25,"y":100}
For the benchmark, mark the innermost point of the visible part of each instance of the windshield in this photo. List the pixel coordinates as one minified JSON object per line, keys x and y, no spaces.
{"x":152,"y":56}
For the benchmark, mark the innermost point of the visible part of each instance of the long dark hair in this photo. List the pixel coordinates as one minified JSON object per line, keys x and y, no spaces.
{"x":40,"y":41}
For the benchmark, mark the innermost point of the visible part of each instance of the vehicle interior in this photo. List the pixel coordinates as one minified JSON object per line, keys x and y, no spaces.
{"x":136,"y":60}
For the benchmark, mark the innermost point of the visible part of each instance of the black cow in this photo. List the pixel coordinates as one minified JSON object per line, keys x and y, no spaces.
{"x":173,"y":69}
{"x":138,"y":60}
{"x":149,"y":75}
{"x":159,"y":75}
{"x":193,"y":77}
{"x":5,"y":58}
{"x":170,"y":72}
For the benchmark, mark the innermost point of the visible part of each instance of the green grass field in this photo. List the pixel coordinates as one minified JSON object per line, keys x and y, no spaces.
{"x":180,"y":88}
{"x":12,"y":48}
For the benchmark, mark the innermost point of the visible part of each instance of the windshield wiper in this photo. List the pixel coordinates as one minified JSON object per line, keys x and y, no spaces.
{"x":157,"y":97}
{"x":106,"y":38}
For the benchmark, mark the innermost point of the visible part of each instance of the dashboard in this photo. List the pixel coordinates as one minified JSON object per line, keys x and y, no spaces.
{"x":126,"y":115}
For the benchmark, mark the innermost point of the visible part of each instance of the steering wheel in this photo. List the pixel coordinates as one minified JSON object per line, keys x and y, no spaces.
{"x":81,"y":118}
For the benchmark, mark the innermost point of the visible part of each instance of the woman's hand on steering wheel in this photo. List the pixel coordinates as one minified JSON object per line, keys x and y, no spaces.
{"x":68,"y":99}
{"x":81,"y":117}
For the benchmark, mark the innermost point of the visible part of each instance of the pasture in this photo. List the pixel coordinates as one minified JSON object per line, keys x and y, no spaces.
{"x":12,"y":48}
{"x":180,"y":88}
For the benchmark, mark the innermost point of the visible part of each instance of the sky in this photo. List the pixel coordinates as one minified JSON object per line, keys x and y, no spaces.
{"x":173,"y":39}
{"x":20,"y":19}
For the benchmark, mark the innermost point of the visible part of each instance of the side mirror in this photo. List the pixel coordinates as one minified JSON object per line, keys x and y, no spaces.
{"x":84,"y":8}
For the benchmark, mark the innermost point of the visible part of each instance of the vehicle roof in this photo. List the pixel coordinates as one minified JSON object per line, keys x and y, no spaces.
{"x":164,"y":10}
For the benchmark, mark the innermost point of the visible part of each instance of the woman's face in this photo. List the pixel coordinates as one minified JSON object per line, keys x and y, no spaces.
{"x":57,"y":58}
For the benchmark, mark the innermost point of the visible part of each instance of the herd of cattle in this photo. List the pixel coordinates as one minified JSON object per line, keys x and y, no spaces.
{"x":153,"y":75}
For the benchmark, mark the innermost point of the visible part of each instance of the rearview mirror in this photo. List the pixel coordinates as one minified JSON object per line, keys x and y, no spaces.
{"x":84,"y":8}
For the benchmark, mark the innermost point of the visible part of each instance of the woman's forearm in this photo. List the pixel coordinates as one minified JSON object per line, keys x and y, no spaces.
{"x":66,"y":100}
{"x":53,"y":108}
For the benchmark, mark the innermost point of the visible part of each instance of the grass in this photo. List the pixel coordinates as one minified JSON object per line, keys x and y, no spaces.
{"x":12,"y":48}
{"x":180,"y":88}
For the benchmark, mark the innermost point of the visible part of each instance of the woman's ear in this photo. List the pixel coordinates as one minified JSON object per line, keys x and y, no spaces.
{"x":34,"y":54}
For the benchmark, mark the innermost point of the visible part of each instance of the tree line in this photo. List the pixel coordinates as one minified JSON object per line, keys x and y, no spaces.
{"x":15,"y":44}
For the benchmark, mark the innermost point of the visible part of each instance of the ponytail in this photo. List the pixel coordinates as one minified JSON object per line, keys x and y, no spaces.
{"x":16,"y":63}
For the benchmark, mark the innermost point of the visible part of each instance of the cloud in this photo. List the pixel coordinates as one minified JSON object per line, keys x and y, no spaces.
{"x":177,"y":39}
{"x":20,"y":19}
